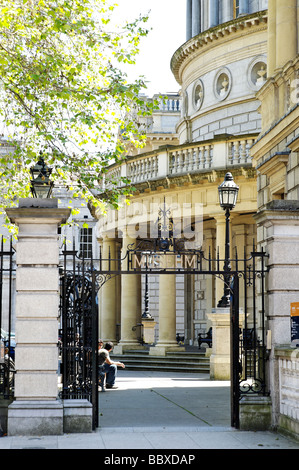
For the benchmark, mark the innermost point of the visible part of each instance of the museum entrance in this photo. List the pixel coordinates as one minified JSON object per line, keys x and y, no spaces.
{"x":81,"y":283}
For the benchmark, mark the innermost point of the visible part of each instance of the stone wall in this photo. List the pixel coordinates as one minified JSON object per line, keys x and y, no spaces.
{"x":287,"y":374}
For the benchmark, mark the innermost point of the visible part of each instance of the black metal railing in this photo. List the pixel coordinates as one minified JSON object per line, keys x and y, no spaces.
{"x":7,"y":340}
{"x":78,"y":334}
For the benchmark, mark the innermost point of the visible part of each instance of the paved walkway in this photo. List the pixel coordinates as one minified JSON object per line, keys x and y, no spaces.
{"x":152,"y":410}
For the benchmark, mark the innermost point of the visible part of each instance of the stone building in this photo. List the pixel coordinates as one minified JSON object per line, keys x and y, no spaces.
{"x":219,"y":70}
{"x":236,"y":111}
{"x":275,"y":158}
{"x":238,"y":78}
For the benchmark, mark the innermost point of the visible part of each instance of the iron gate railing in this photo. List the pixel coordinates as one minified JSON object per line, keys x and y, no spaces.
{"x":78,"y":335}
{"x":248,"y":346}
{"x":7,"y":340}
{"x":80,"y":282}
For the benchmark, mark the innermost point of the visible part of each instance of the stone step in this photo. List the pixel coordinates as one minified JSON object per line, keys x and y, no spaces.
{"x":145,"y":352}
{"x":160,"y":361}
{"x":173,"y":362}
{"x":170,"y":360}
{"x":165,"y":368}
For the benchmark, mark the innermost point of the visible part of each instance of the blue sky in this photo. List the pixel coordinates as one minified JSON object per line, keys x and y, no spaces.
{"x":167,"y":19}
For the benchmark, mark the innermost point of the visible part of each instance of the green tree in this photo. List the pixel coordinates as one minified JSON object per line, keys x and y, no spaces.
{"x":63,"y":92}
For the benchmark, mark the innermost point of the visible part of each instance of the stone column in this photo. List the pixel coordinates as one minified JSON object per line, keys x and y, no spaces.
{"x":220,"y":245}
{"x":36,"y":409}
{"x":286,"y":31}
{"x":210,"y":280}
{"x":244,"y":7}
{"x":108,"y":293}
{"x":167,"y":312}
{"x":213,"y":13}
{"x":271,"y":60}
{"x":130,"y":297}
{"x":196,"y":17}
{"x":227,"y":10}
{"x":189,"y":20}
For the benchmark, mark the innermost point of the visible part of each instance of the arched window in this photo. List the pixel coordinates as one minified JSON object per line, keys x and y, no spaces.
{"x":236,"y":8}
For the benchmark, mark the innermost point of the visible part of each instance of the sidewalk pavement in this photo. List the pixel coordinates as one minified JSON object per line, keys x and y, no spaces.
{"x":157,"y":410}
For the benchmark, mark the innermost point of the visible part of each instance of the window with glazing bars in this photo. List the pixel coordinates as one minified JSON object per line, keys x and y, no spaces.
{"x":236,"y":8}
{"x":86,"y":242}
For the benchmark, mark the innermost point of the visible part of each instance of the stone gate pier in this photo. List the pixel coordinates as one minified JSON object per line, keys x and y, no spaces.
{"x":36,"y":409}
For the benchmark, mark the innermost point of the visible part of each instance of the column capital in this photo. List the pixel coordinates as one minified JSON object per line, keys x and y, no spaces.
{"x":220,"y":217}
{"x":107,"y":239}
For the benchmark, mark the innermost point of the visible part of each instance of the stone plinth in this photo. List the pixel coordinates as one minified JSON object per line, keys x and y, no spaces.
{"x":255,"y":413}
{"x":220,"y":358}
{"x":35,"y":418}
{"x":4,"y":403}
{"x":77,"y":416}
{"x":148,"y":330}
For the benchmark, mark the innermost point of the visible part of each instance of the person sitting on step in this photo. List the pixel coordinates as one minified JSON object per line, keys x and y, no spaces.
{"x":108,"y":367}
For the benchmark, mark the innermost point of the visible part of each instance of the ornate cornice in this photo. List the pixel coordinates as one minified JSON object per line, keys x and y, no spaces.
{"x":223,"y":32}
{"x":192,"y":179}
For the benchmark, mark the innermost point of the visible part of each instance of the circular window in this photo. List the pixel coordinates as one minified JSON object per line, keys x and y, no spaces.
{"x":198,"y":94}
{"x":257,"y":73}
{"x":222,"y":84}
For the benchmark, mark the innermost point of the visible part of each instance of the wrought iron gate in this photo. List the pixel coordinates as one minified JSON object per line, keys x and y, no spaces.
{"x":80,"y":282}
{"x":78,"y":335}
{"x":248,"y":344}
{"x":7,"y":341}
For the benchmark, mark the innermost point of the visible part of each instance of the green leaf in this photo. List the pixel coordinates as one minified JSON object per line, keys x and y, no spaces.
{"x":64,"y":93}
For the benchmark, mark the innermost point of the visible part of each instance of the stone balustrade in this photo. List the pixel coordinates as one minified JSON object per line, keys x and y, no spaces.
{"x":184,"y":159}
{"x":143,"y":169}
{"x":191,"y":159}
{"x":168,"y":103}
{"x":239,"y":151}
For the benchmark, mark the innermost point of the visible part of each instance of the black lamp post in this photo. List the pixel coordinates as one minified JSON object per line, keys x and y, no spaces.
{"x":228,"y":194}
{"x":41,"y":185}
{"x":146,"y":314}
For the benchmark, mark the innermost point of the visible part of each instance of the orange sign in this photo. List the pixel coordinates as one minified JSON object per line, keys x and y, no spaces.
{"x":294,"y":309}
{"x":295,"y":323}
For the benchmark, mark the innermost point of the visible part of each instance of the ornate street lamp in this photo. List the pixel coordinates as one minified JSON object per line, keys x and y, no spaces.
{"x":41,"y":185}
{"x":228,"y":194}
